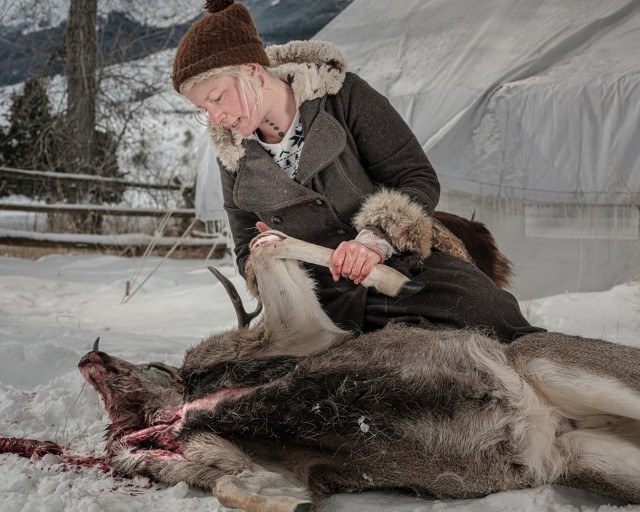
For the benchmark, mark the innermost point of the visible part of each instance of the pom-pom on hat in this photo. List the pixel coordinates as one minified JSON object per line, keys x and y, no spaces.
{"x":226,"y":37}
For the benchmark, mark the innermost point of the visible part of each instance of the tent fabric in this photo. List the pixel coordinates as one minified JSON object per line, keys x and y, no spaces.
{"x":535,"y":100}
{"x":209,"y":201}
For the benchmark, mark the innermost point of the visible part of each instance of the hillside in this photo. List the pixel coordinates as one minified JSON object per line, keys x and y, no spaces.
{"x":32,"y":33}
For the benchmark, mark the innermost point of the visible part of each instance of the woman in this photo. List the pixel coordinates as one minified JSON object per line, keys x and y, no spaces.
{"x":313,"y":151}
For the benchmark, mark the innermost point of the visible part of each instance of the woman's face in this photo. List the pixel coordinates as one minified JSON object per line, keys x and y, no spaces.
{"x":222,"y":101}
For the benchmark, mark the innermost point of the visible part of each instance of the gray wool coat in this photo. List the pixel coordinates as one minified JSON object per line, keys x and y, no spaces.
{"x":361,"y":166}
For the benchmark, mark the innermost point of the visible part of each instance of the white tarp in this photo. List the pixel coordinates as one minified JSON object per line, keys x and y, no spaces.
{"x":209,"y":201}
{"x":535,"y":100}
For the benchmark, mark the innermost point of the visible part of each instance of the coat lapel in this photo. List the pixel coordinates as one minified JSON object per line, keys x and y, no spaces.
{"x":324,"y":141}
{"x":261,"y":184}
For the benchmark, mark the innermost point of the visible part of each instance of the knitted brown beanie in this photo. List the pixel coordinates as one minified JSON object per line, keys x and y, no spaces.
{"x":225,"y":37}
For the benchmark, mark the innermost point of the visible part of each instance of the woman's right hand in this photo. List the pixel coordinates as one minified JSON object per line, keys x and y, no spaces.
{"x":353,"y":261}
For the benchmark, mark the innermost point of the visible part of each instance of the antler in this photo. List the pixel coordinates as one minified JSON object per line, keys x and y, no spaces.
{"x":244,"y":318}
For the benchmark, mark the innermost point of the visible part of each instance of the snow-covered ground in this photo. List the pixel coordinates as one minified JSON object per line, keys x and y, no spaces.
{"x":52,"y":310}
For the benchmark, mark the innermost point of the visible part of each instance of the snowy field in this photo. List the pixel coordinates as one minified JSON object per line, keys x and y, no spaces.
{"x":52,"y":310}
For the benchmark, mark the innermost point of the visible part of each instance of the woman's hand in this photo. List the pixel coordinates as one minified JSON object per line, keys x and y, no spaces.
{"x":354,"y":261}
{"x":262,"y":227}
{"x":351,"y":259}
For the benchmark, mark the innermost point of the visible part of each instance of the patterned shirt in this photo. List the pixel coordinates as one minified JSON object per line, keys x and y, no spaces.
{"x":286,"y":153}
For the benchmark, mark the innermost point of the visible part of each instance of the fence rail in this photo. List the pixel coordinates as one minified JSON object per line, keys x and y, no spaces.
{"x":123,"y":211}
{"x":26,"y":174}
{"x":130,"y":243}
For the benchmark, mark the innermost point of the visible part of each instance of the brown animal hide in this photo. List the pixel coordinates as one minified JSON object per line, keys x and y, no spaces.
{"x":481,"y":246}
{"x":277,"y":416}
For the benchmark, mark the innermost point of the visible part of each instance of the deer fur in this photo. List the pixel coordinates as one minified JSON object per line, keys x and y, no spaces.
{"x":481,"y":246}
{"x":278,"y":416}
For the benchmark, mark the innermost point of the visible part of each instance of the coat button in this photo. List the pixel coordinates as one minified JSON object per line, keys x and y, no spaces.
{"x":276,"y":219}
{"x":341,"y":231}
{"x":319,"y":202}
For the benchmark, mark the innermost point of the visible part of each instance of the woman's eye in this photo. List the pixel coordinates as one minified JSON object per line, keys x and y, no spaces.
{"x":218,"y":99}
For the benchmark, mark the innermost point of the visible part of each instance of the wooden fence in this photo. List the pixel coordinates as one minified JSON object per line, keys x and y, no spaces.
{"x":131,"y":243}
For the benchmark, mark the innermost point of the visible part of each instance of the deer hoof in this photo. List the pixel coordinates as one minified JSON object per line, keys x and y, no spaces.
{"x":410,"y":288}
{"x":305,"y":507}
{"x":262,"y":491}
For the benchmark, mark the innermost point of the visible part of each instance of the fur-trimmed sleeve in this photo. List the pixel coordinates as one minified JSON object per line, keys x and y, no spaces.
{"x":388,"y":149}
{"x":405,"y":223}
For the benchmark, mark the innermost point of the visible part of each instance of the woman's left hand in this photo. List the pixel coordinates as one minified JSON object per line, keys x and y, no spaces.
{"x":354,"y":261}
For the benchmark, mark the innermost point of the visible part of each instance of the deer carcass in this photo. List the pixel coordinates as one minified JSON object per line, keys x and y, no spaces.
{"x":277,"y":416}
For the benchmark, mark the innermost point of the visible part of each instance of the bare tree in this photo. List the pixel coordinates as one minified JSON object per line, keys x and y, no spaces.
{"x":81,"y":94}
{"x":81,"y":77}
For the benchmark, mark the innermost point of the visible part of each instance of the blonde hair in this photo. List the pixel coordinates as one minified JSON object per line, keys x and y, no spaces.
{"x":248,"y":84}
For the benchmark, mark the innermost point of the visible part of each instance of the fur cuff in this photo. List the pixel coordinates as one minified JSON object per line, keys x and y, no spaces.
{"x":404,"y":222}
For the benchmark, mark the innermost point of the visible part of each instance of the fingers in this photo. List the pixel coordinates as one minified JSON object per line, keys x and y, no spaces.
{"x":262,"y":227}
{"x":337,"y":260}
{"x":353,"y":261}
{"x":367,"y":267}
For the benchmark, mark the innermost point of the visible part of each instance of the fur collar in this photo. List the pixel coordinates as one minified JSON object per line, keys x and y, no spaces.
{"x":312,"y":68}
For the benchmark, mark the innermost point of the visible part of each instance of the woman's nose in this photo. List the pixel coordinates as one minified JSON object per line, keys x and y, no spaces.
{"x":215,"y":116}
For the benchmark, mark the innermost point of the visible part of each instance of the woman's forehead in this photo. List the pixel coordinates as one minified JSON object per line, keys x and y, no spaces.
{"x":217,"y":83}
{"x":203,"y":89}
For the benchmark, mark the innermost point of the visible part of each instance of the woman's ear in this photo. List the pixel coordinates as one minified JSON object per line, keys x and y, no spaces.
{"x":257,"y":70}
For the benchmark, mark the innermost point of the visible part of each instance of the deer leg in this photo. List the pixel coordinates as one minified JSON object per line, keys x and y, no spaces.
{"x":245,"y":485}
{"x":262,"y":491}
{"x":583,"y":394}
{"x":252,"y":490}
{"x":206,"y":457}
{"x":581,"y":377}
{"x":594,"y":383}
{"x":384,"y":279}
{"x":603,"y":461}
{"x":297,"y":324}
{"x":164,"y":467}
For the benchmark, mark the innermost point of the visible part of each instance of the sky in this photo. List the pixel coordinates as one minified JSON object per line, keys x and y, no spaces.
{"x":51,"y":311}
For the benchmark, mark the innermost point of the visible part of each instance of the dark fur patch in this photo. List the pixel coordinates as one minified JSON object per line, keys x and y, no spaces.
{"x":481,"y":245}
{"x":331,"y":408}
{"x":334,"y":64}
{"x":234,"y":374}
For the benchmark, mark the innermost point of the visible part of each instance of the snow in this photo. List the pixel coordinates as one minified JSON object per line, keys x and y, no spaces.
{"x":51,"y":311}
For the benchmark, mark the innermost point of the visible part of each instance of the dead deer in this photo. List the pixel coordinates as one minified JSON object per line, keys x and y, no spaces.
{"x":277,"y":416}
